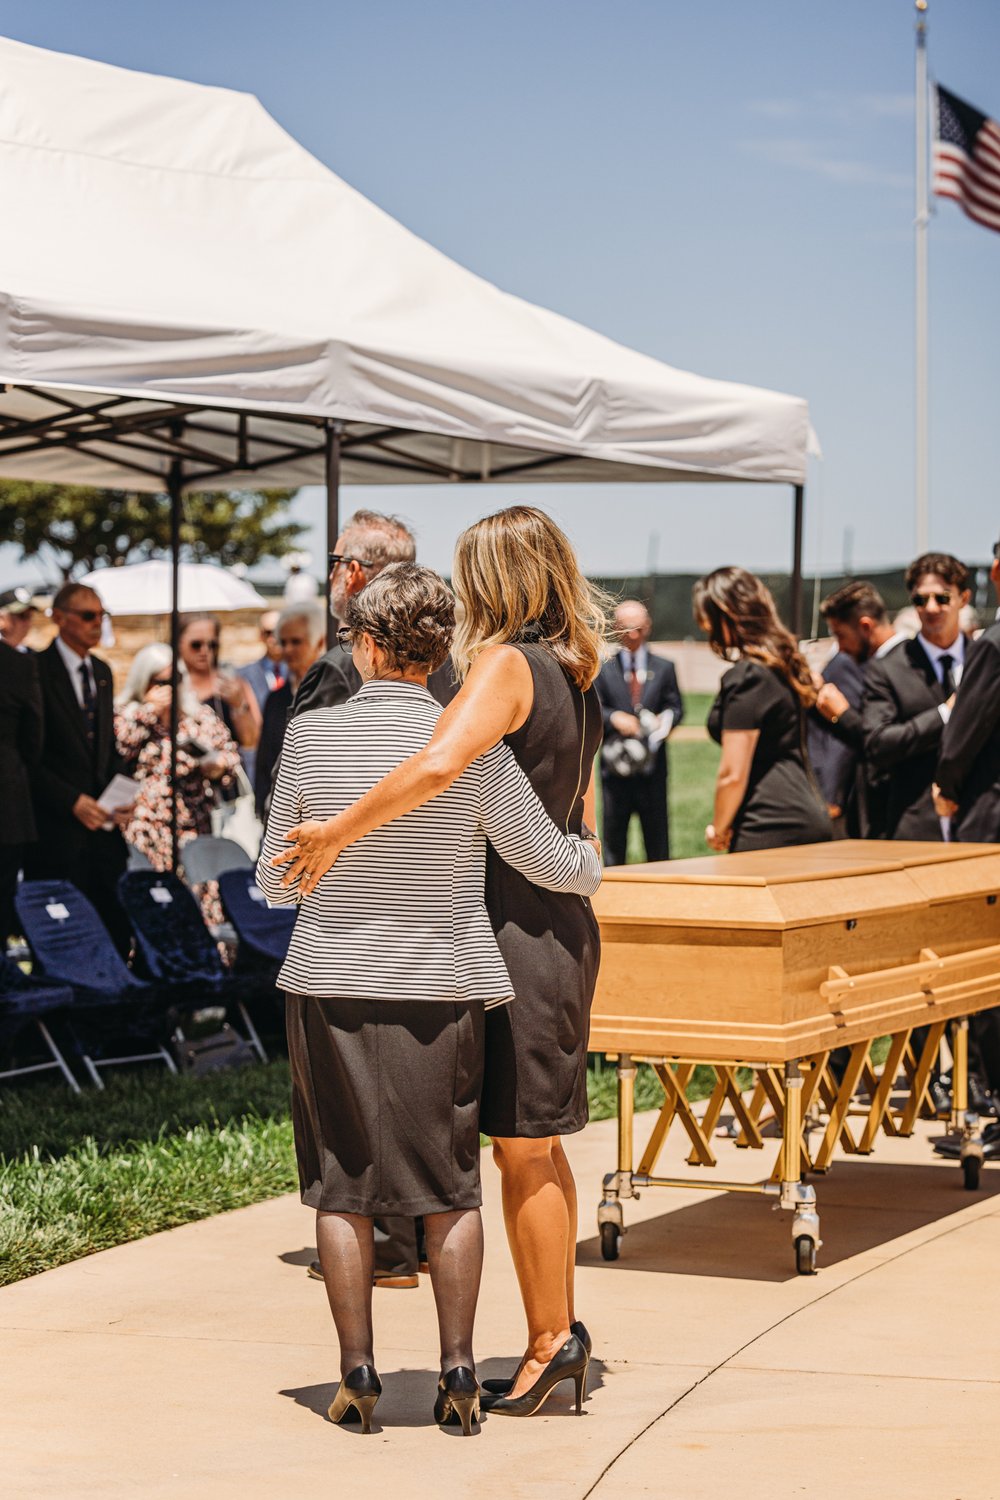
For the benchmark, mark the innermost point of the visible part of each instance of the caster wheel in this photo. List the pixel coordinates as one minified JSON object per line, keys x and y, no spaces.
{"x":610,"y":1236}
{"x":805,"y":1256}
{"x":970,"y":1172}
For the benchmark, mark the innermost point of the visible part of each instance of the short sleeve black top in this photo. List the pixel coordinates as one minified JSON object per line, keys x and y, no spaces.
{"x":782,"y":804}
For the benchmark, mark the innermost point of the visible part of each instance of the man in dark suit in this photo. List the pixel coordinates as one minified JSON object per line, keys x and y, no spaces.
{"x":78,"y":760}
{"x":301,"y":634}
{"x":20,"y":748}
{"x":856,"y":617}
{"x":368,"y":543}
{"x":265,"y":675}
{"x":909,"y":695}
{"x":641,"y":704}
{"x":17,"y":615}
{"x":968,"y":789}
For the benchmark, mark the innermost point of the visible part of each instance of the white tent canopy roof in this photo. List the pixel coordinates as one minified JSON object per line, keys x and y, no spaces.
{"x":167,"y":250}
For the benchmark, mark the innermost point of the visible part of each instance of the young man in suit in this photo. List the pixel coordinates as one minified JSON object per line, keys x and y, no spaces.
{"x":856,"y":617}
{"x":20,"y":747}
{"x":909,"y":695}
{"x":634,"y":680}
{"x":78,"y":760}
{"x":968,"y":789}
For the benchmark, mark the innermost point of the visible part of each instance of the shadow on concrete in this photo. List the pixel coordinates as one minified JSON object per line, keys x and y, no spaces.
{"x":408,"y":1396}
{"x":300,"y":1258}
{"x":862,"y":1205}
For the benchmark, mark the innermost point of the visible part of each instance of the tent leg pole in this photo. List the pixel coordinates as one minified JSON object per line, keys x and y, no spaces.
{"x":332,"y":459}
{"x":796,"y":600}
{"x":175,"y":481}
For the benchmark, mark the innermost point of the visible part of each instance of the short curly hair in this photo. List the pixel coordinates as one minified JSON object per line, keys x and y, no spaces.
{"x":409,"y":612}
{"x":954,"y":573}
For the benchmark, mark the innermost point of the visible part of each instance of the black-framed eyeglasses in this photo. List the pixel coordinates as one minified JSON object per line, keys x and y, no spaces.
{"x":920,"y":600}
{"x":334,"y":559}
{"x":345,"y":637}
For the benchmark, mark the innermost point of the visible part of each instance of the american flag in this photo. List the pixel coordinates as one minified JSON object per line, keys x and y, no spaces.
{"x":967,"y":159}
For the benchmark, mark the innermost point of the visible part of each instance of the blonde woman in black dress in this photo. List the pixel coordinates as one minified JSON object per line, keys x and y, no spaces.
{"x":390,"y":969}
{"x":529,"y":649}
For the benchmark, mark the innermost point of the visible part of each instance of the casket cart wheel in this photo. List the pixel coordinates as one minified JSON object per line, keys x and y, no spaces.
{"x":970,"y":1172}
{"x":610,"y":1237}
{"x":805,"y":1255}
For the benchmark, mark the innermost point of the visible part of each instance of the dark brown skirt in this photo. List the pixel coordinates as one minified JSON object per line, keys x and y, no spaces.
{"x":385,"y":1104}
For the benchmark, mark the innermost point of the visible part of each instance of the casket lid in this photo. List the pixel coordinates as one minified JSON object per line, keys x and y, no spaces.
{"x":797,"y":886}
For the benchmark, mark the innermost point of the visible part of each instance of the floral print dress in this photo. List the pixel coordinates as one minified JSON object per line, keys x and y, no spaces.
{"x":144,"y":743}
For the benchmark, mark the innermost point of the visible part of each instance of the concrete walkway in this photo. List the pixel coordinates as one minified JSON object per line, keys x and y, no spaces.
{"x":199,"y":1363}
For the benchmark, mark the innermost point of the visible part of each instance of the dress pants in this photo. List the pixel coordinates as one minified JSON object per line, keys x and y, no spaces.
{"x":398,"y":1246}
{"x":93,"y":864}
{"x":11,"y":856}
{"x":625,"y":795}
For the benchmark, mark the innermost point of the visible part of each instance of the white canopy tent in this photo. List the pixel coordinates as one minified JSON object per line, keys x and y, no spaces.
{"x":188,"y":298}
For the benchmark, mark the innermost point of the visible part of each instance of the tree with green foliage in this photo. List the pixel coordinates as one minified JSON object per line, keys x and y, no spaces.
{"x":81,"y":528}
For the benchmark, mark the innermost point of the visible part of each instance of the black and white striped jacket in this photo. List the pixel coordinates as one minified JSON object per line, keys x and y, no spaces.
{"x":402,"y":915}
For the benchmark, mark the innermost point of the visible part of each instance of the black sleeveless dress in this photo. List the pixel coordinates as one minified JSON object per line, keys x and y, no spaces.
{"x":535,"y":1080}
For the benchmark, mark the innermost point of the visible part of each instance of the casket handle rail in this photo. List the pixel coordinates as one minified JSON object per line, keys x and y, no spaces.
{"x":930,"y":975}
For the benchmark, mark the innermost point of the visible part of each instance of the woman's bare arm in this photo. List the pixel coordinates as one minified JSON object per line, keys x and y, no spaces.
{"x":494,"y":700}
{"x":738,"y":746}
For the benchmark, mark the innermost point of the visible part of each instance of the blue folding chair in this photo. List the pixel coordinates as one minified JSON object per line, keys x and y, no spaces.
{"x":264,"y":932}
{"x":24,"y":1001}
{"x":175,"y":949}
{"x":70,"y":943}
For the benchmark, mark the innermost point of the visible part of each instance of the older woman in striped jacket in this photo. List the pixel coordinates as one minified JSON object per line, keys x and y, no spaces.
{"x":391,"y":966}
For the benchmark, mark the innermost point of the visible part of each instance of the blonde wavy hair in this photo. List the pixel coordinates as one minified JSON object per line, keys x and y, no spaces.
{"x":517,"y":579}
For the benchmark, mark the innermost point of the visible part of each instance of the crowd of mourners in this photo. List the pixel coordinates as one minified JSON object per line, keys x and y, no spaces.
{"x":465,"y":730}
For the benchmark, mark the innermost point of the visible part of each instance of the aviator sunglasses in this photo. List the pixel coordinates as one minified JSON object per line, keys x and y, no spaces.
{"x":920,"y":600}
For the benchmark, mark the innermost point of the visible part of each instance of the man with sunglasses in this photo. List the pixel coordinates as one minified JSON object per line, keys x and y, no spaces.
{"x":78,"y":759}
{"x":909,"y":695}
{"x":367,"y":544}
{"x":968,"y":792}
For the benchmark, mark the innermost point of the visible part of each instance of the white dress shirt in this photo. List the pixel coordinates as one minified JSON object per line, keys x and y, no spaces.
{"x":73,"y":662}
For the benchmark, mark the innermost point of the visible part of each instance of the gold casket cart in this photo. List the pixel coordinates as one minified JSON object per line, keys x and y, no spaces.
{"x":769,"y":961}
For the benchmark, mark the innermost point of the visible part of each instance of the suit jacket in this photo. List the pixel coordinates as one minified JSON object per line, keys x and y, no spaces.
{"x":20,"y":741}
{"x":835,"y":750}
{"x":903,"y":731}
{"x":969,"y":768}
{"x":255,"y":673}
{"x":69,"y":765}
{"x":334,"y":678}
{"x":659,"y":692}
{"x":272,"y":734}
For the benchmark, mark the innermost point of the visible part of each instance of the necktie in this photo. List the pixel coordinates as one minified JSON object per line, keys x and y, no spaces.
{"x":89,"y":701}
{"x":634,"y":685}
{"x":947,"y":675}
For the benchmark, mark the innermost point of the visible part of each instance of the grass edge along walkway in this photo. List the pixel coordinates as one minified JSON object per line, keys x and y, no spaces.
{"x":78,"y":1175}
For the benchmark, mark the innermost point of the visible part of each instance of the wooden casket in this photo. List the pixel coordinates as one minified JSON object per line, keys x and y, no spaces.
{"x":791,"y":963}
{"x":771,"y":956}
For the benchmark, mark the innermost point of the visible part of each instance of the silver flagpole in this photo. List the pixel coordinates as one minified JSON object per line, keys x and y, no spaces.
{"x":920,"y":227}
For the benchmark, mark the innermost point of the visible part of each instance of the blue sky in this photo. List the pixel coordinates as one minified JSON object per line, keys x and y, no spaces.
{"x":725,"y":186}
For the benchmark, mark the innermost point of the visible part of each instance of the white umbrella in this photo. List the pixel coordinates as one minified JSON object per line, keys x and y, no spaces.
{"x":144,"y":588}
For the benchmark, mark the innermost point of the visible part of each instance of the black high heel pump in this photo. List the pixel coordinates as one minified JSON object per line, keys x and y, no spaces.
{"x":568,"y":1363}
{"x":499,"y":1386}
{"x":457,"y":1399}
{"x":355,"y":1401}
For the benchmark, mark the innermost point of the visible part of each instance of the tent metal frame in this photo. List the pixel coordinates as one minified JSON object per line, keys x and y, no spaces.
{"x":168,"y":432}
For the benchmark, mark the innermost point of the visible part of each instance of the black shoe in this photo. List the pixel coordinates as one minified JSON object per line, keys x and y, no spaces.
{"x":979,"y":1100}
{"x":498,"y":1387}
{"x":940,"y":1097}
{"x":356,"y":1398}
{"x":457,"y":1399}
{"x":569,"y":1363}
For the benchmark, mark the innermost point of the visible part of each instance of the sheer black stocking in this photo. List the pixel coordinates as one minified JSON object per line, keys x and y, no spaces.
{"x":346,"y":1245}
{"x":455,"y":1257}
